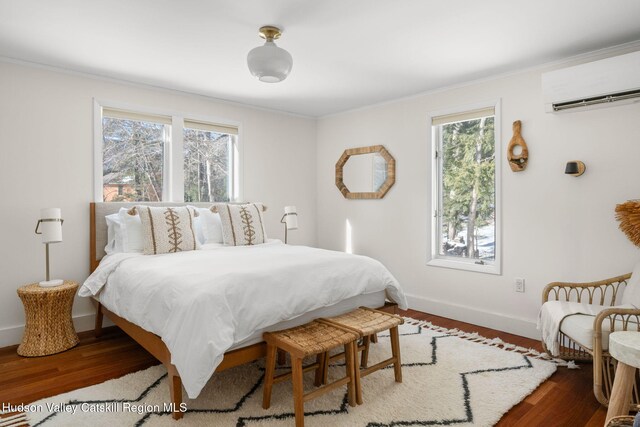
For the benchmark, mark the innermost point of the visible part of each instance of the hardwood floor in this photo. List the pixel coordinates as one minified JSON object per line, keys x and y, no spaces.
{"x":566,"y":399}
{"x":114,"y":354}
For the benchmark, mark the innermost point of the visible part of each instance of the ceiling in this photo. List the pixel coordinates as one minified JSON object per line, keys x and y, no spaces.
{"x":346,"y":53}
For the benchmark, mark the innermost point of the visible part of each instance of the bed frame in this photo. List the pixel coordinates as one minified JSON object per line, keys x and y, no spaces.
{"x":150,"y":341}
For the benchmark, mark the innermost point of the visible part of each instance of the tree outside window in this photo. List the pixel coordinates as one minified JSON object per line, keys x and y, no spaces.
{"x":468,"y":189}
{"x":139,"y":162}
{"x":466,"y":221}
{"x":132,"y":158}
{"x":207,"y":164}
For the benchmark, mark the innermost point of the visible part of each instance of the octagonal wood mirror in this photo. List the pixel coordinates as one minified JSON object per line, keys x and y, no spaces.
{"x":365,"y":172}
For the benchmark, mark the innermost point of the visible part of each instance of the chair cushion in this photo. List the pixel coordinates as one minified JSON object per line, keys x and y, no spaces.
{"x":631,"y":294}
{"x":579,"y":327}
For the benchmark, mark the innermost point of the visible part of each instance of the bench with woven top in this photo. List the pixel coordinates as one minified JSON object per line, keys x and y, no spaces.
{"x":312,"y":339}
{"x":367,"y":323}
{"x":318,"y":338}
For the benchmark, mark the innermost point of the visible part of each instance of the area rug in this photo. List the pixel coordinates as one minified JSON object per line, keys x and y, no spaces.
{"x":449,"y":378}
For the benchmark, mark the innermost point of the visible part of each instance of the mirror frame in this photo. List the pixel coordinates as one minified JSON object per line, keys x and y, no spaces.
{"x":388,"y":183}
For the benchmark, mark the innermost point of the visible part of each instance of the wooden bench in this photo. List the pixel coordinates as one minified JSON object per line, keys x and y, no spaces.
{"x":312,"y":339}
{"x":367,"y":323}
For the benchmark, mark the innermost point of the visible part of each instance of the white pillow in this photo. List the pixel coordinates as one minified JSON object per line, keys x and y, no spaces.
{"x":131,"y":226}
{"x":114,"y":234}
{"x":631,"y":293}
{"x":198,"y":224}
{"x":211,"y":226}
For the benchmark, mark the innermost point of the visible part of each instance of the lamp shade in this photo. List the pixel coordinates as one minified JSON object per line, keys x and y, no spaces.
{"x":291,"y":217}
{"x":571,"y":168}
{"x":269,"y":63}
{"x":51,"y":225}
{"x":575,"y":168}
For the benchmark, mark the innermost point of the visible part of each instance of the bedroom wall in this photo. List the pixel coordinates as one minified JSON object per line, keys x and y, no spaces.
{"x":555,"y":227}
{"x":46,"y":160}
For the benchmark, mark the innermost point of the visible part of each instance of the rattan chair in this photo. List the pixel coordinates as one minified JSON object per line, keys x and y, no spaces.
{"x":605,"y":293}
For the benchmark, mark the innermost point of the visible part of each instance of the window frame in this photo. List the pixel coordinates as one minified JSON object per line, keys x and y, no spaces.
{"x":435,"y":259}
{"x":173,"y":167}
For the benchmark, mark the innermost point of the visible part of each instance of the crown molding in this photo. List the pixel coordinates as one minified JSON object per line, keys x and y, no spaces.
{"x":122,"y":81}
{"x":571,"y":60}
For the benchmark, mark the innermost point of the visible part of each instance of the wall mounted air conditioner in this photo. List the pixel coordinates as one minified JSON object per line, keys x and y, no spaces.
{"x":608,"y":82}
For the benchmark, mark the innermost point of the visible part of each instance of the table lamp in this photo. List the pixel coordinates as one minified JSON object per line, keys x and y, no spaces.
{"x":290,"y":220}
{"x":50,"y":228}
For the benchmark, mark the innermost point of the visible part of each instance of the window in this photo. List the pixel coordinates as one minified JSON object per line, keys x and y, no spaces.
{"x":208,"y":162}
{"x":133,"y":149}
{"x":162,"y":157}
{"x":465,"y":232}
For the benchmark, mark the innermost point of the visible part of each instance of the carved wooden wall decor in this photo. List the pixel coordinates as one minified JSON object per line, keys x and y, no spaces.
{"x":517,"y":162}
{"x":382,"y":190}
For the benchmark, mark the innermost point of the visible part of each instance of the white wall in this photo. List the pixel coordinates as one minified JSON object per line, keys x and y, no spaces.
{"x":46,"y":160}
{"x":555,"y":227}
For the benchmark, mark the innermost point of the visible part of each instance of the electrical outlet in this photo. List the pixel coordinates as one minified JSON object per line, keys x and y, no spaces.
{"x":519,"y":284}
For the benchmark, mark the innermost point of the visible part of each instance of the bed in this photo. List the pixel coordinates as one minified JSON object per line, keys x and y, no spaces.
{"x":204,"y":311}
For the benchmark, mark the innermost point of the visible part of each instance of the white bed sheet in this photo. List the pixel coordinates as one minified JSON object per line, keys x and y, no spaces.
{"x":201,"y":303}
{"x":374,"y":300}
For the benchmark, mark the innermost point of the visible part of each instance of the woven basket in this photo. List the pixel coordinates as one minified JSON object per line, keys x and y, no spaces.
{"x":49,"y":327}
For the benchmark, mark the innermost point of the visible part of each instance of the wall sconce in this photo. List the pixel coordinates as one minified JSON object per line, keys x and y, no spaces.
{"x":575,"y":168}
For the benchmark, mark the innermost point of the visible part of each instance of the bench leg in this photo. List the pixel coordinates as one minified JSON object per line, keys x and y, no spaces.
{"x":395,"y":351}
{"x":325,"y":368}
{"x":374,"y":338}
{"x":356,"y":374}
{"x":349,"y":355}
{"x":365,"y":352}
{"x":320,"y":369}
{"x":282,"y":357}
{"x":98,"y":326}
{"x":298,"y":390}
{"x":270,"y":362}
{"x":175,"y":388}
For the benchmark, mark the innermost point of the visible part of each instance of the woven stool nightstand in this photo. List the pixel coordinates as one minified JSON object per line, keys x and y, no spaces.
{"x":311,"y":339}
{"x":49,"y":327}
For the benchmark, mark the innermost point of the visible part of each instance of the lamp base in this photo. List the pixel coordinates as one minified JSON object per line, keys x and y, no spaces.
{"x":51,"y":283}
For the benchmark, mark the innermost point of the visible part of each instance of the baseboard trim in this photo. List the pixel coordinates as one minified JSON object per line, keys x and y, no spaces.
{"x":82,"y":322}
{"x":463,"y":313}
{"x":513,"y":325}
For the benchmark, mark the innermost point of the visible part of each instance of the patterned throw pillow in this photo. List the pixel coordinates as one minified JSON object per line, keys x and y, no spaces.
{"x":167,"y":229}
{"x":241,"y":224}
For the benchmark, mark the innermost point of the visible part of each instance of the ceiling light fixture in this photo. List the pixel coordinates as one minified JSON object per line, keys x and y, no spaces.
{"x":269,"y":63}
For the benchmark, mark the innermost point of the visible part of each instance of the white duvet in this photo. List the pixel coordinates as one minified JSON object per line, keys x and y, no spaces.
{"x":202,"y":302}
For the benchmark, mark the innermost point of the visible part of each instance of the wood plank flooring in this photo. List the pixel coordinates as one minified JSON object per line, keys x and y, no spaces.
{"x":566,"y":399}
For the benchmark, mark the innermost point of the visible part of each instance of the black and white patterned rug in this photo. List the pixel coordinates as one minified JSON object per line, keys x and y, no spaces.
{"x":450,"y":378}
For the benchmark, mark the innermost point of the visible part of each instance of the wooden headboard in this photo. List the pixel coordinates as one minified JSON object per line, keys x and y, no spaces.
{"x":98,"y":224}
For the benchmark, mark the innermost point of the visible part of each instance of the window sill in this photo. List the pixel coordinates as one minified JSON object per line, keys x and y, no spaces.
{"x":465,"y":265}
